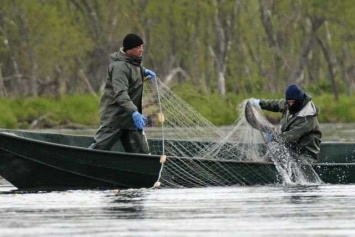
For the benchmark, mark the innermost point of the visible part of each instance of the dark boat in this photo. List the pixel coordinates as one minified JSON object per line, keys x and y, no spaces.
{"x":46,"y":161}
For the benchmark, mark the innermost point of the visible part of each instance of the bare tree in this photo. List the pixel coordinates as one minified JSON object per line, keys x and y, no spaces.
{"x":331,"y":66}
{"x":223,"y":21}
{"x":297,"y":72}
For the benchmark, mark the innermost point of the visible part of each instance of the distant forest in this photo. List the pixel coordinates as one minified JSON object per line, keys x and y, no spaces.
{"x":60,"y":47}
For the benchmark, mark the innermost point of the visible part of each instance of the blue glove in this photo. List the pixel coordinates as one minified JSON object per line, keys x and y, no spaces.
{"x":149,"y":74}
{"x":269,"y":137}
{"x":255,"y":102}
{"x":139,"y":120}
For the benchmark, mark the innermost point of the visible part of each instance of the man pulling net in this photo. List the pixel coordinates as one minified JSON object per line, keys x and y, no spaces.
{"x":299,"y":137}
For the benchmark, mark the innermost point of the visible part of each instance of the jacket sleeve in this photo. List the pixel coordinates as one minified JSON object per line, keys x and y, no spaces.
{"x":273,"y":105}
{"x":120,"y":82}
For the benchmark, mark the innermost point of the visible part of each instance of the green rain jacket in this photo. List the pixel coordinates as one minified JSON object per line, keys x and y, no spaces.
{"x":123,"y":91}
{"x":299,"y":131}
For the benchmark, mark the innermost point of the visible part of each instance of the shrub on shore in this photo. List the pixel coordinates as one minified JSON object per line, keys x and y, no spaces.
{"x":82,"y":111}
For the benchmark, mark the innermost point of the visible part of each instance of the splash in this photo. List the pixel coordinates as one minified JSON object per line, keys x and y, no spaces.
{"x":293,"y":169}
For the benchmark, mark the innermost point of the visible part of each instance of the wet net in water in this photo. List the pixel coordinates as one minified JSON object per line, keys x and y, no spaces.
{"x":201,"y":154}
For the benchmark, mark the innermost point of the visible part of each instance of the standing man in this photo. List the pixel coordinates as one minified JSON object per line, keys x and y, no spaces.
{"x":121,"y":103}
{"x":299,"y":123}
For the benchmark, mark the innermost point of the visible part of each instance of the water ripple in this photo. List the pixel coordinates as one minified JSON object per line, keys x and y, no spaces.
{"x":325,"y":210}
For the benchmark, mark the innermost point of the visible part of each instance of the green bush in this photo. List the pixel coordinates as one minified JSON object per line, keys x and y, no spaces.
{"x":79,"y":109}
{"x":332,"y":111}
{"x":220,"y":111}
{"x":7,"y":118}
{"x":30,"y":109}
{"x":42,"y":112}
{"x":223,"y":111}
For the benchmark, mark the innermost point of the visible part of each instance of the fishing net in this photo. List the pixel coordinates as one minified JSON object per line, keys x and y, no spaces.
{"x":201,"y":154}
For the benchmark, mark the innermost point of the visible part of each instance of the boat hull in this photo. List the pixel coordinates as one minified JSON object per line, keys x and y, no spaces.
{"x":44,"y":162}
{"x":336,"y":173}
{"x":35,"y":165}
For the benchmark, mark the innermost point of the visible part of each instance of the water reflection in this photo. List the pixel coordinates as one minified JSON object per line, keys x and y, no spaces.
{"x":126,"y":204}
{"x":248,"y":211}
{"x":302,"y":194}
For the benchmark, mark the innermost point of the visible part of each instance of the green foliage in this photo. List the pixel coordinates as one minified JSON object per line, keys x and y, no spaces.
{"x":219,"y":111}
{"x":318,"y":89}
{"x":27,"y":110}
{"x":41,"y":40}
{"x":7,"y":118}
{"x":332,"y":111}
{"x":66,"y":40}
{"x":79,"y":109}
{"x":83,"y":110}
{"x":225,"y":111}
{"x":45,"y":44}
{"x":42,"y":112}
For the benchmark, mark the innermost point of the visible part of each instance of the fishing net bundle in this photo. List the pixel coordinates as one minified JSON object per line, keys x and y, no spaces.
{"x":199,"y":153}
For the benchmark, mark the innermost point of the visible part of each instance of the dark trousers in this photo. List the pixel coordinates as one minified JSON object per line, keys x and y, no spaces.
{"x":132,"y":140}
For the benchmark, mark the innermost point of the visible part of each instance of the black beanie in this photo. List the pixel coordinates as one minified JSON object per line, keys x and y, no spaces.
{"x":293,"y":92}
{"x":131,"y":41}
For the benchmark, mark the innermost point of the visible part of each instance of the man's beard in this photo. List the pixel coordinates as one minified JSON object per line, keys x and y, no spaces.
{"x":297,"y":106}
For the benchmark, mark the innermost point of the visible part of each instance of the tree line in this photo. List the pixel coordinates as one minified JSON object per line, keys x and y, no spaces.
{"x":58,"y":47}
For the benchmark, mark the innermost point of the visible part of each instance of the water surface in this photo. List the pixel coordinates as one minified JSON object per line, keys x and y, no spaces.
{"x":326,"y":210}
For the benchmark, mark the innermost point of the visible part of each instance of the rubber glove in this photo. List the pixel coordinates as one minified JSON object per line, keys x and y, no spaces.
{"x":269,"y":137}
{"x":139,"y":120}
{"x":255,"y":102}
{"x":149,"y":74}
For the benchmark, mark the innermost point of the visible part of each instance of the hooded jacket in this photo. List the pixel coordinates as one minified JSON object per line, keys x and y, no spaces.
{"x":300,"y":131}
{"x":123,"y":91}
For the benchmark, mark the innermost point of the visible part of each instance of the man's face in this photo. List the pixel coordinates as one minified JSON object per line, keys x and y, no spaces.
{"x":290,"y":102}
{"x":294,"y":105}
{"x":137,"y":51}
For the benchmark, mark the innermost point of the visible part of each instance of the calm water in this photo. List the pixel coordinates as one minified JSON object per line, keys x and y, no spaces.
{"x":327,"y":210}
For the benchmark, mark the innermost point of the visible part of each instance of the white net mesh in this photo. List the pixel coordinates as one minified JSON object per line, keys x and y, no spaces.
{"x":201,"y":154}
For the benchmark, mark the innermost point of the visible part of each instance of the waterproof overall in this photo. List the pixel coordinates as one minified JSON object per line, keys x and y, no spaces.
{"x":121,"y":97}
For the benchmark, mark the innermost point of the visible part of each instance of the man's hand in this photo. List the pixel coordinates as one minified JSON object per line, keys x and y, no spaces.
{"x":139,"y":120}
{"x":149,"y":74}
{"x":255,"y":102}
{"x":269,"y":137}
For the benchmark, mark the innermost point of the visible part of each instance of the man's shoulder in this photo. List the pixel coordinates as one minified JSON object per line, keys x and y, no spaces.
{"x":310,"y":109}
{"x":117,"y":67}
{"x":119,"y":64}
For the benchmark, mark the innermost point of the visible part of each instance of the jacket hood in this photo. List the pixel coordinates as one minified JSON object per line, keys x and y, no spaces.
{"x":122,"y":56}
{"x":309,"y":109}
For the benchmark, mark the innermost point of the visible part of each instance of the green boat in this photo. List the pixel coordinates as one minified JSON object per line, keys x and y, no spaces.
{"x":44,"y":161}
{"x":38,"y":161}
